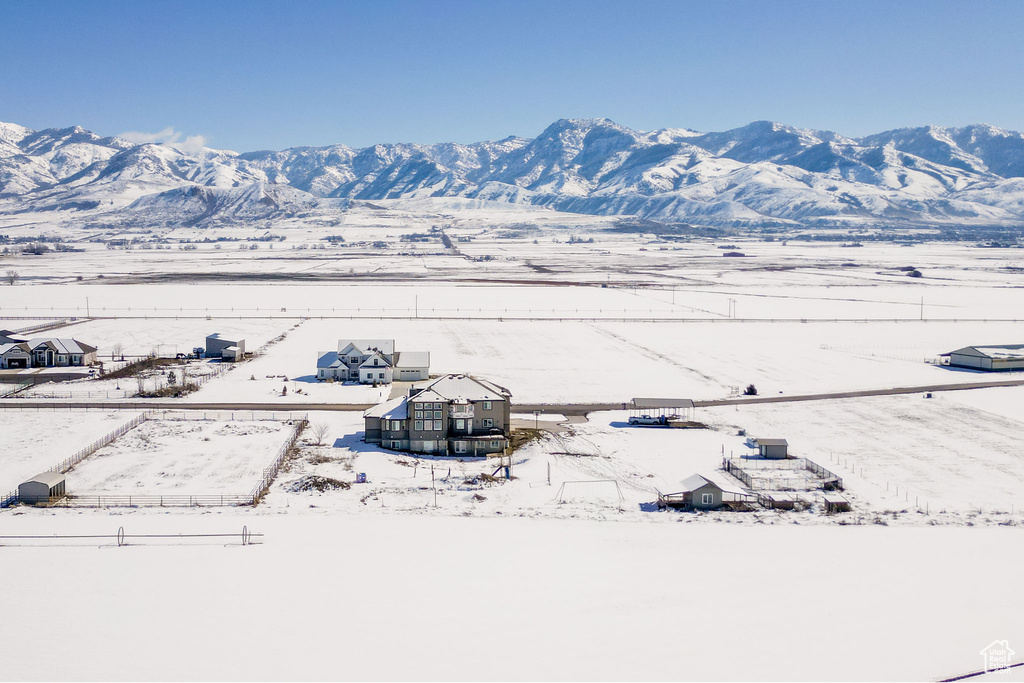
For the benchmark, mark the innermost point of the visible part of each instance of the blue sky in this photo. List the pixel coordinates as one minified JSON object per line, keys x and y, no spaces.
{"x":261,"y":75}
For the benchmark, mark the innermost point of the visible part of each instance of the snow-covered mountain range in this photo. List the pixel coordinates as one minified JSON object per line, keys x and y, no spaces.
{"x":763,"y":174}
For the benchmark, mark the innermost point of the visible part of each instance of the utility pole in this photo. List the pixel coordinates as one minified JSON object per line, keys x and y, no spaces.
{"x":922,"y":308}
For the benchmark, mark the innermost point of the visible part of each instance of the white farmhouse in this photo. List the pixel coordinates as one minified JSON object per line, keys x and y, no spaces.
{"x":371,"y":361}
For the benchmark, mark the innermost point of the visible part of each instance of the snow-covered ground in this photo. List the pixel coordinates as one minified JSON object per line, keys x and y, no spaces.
{"x":34,"y":440}
{"x":567,"y":570}
{"x":389,"y":596}
{"x":191,"y":457}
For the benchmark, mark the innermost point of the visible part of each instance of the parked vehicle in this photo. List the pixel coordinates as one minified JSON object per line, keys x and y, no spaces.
{"x":648,"y":420}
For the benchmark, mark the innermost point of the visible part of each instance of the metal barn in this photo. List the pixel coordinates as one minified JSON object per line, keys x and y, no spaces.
{"x":46,"y":487}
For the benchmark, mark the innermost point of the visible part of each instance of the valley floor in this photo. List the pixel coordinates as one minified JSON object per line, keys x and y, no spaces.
{"x":431,"y":570}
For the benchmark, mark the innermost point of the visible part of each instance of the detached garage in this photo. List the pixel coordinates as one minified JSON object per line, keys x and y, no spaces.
{"x":43,"y":488}
{"x":989,"y":358}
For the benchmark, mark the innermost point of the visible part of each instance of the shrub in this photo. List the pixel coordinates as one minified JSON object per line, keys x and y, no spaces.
{"x":751,"y":390}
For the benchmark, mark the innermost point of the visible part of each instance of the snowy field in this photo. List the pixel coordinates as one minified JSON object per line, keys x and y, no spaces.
{"x":33,"y":441}
{"x":565,"y":599}
{"x":567,"y":571}
{"x":191,"y":457}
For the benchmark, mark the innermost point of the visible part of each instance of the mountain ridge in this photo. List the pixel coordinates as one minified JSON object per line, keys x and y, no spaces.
{"x":765,"y":173}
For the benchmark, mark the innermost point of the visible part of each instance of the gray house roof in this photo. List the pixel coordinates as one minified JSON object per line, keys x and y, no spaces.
{"x":328,"y":359}
{"x":61,"y":345}
{"x":394,"y":409}
{"x":697,"y":481}
{"x":364,"y":346}
{"x":771,"y":442}
{"x":455,"y":387}
{"x":4,"y":348}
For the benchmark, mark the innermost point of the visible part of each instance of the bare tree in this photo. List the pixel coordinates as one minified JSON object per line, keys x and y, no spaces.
{"x":117,"y":350}
{"x":11,"y":276}
{"x":319,"y":432}
{"x":141,"y":382}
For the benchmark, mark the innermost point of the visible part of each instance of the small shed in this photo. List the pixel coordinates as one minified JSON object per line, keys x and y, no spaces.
{"x":232,"y":354}
{"x":43,"y":488}
{"x":772,"y":448}
{"x":778,"y":501}
{"x":835,"y":503}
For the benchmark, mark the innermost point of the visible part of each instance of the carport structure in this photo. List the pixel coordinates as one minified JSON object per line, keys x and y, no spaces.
{"x":669,"y":408}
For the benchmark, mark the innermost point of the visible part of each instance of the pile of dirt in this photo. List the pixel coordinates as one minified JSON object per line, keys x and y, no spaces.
{"x":313,"y":482}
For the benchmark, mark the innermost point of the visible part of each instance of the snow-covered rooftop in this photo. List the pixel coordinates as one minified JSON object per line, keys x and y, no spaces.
{"x":394,"y":409}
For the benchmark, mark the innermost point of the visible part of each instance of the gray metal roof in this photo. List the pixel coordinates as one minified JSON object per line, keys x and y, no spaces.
{"x":48,"y":478}
{"x":1001,"y":351}
{"x":642,"y":403}
{"x":771,"y":442}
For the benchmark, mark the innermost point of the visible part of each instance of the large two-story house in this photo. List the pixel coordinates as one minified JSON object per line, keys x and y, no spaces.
{"x":371,"y":361}
{"x":450,"y":415}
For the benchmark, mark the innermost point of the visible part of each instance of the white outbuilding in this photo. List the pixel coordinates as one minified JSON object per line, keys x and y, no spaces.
{"x":45,"y":487}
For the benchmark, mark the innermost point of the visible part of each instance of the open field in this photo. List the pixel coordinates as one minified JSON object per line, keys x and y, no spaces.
{"x":571,"y":599}
{"x":33,"y":441}
{"x":570,"y":579}
{"x":194,"y":457}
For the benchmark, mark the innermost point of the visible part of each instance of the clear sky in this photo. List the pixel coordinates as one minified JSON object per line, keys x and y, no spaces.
{"x":269,"y":75}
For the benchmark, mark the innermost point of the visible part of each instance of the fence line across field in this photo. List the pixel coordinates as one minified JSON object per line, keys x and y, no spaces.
{"x":121,"y":537}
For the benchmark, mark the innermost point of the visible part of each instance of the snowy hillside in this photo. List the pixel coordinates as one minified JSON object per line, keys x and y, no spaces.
{"x":761,"y":174}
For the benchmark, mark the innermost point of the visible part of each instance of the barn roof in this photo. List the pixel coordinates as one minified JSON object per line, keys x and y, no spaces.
{"x":771,"y":442}
{"x":1000,"y":351}
{"x":48,"y":478}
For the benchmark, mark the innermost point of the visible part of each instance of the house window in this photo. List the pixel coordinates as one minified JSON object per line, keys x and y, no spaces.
{"x":396,"y":444}
{"x":495,"y":444}
{"x":487,"y":405}
{"x":376,"y":361}
{"x":487,"y":422}
{"x":353,"y":359}
{"x":380,"y":375}
{"x":437,"y":425}
{"x":707,"y":499}
{"x":437,"y":414}
{"x":460,"y":424}
{"x":419,"y":424}
{"x":419,"y":415}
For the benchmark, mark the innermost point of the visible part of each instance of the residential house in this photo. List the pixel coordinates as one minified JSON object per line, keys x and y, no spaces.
{"x":371,"y":361}
{"x":702,"y":492}
{"x":48,"y":352}
{"x":450,"y":415}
